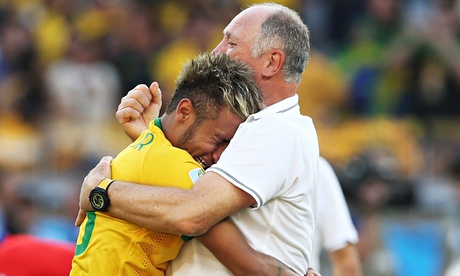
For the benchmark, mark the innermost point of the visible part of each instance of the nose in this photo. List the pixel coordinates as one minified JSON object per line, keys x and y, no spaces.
{"x":219,"y":48}
{"x":218,"y":152}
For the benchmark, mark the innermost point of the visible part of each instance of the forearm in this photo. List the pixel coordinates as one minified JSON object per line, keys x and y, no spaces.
{"x":229,"y":246}
{"x":346,"y":261}
{"x":173,"y":210}
{"x":161,"y":209}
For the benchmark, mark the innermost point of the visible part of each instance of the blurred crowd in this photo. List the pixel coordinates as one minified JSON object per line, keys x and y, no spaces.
{"x":382,"y":85}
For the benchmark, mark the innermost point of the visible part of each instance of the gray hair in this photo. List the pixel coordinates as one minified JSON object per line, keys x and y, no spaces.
{"x":284,"y":29}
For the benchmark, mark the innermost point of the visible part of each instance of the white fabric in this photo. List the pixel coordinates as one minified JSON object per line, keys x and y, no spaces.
{"x":335,"y":228}
{"x":273,"y":157}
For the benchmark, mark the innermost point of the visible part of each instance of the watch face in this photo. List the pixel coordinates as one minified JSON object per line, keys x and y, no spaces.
{"x":97,"y":201}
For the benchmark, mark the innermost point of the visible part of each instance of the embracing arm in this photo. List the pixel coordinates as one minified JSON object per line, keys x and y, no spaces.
{"x":229,"y":246}
{"x":188,"y":212}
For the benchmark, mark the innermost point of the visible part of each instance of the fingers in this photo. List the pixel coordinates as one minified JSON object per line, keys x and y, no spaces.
{"x":134,"y":103}
{"x":137,"y":99}
{"x":126,"y":115}
{"x":142,"y":103}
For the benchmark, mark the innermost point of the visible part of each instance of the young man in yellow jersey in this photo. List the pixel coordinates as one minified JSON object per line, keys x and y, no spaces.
{"x":214,"y":95}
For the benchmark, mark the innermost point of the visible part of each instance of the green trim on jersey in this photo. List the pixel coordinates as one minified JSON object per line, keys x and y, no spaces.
{"x":89,"y":227}
{"x":157,"y":123}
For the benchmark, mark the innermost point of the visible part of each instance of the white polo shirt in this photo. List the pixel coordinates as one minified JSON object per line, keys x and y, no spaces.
{"x":273,"y":157}
{"x":335,"y":228}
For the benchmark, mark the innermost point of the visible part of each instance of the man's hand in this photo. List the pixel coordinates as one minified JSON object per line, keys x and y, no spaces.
{"x":140,"y":106}
{"x":95,"y":176}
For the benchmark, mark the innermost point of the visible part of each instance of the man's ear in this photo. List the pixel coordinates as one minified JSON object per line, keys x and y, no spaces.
{"x":184,"y":110}
{"x":274,"y":63}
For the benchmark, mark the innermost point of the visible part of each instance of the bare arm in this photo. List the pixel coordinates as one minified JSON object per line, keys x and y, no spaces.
{"x":229,"y":246}
{"x":172,"y":210}
{"x":346,"y":261}
{"x":140,"y":106}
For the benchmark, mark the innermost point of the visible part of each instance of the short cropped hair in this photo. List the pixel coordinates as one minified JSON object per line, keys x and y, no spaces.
{"x":284,"y":29}
{"x":214,"y":81}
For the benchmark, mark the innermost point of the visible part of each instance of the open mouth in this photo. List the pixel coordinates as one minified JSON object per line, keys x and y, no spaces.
{"x":201,"y":162}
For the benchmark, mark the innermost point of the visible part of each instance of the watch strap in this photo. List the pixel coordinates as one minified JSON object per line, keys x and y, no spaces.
{"x":105,"y":183}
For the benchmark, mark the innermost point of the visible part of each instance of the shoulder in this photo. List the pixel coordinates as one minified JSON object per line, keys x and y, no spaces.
{"x":283,"y":123}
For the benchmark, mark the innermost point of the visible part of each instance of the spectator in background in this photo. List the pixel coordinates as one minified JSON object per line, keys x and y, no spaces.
{"x":83,"y":88}
{"x":136,"y":38}
{"x":428,"y":58}
{"x":22,"y":103}
{"x":330,"y":21}
{"x":372,"y":89}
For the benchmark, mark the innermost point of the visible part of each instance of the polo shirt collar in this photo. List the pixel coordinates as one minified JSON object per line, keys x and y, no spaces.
{"x":286,"y":105}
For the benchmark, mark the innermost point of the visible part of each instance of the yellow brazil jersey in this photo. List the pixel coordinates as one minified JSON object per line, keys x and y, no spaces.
{"x":110,"y":246}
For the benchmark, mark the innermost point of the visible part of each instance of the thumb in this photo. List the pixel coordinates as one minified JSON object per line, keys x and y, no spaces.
{"x":106,"y":160}
{"x":153,"y":110}
{"x":104,"y":166}
{"x":156,"y":93}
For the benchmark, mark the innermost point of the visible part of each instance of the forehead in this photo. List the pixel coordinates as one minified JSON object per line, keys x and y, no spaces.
{"x":225,"y":125}
{"x":247,"y":23}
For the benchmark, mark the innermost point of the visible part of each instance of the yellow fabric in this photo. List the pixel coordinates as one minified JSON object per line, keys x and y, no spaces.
{"x":20,"y":143}
{"x":93,"y":24}
{"x":52,"y":36}
{"x":173,"y":17}
{"x":166,"y":67}
{"x":118,"y":247}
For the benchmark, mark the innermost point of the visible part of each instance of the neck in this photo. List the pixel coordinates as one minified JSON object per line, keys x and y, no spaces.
{"x":274,"y":93}
{"x":167,"y":124}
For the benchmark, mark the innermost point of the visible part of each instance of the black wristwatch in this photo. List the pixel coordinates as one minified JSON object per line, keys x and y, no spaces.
{"x":99,"y":198}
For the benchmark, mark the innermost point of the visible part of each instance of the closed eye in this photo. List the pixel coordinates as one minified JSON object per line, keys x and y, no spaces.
{"x":221,"y":141}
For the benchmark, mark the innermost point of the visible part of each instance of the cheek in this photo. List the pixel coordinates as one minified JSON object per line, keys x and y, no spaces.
{"x":204,"y":148}
{"x":221,"y":148}
{"x":235,"y":53}
{"x":245,"y":59}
